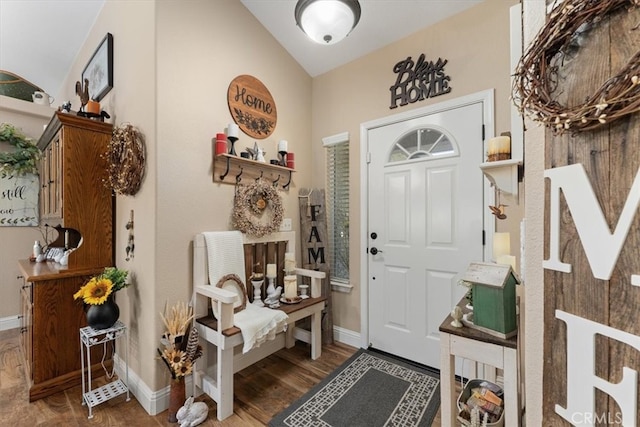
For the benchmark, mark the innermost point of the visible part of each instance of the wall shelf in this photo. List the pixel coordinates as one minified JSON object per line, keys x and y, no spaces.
{"x":503,"y":175}
{"x":229,"y":169}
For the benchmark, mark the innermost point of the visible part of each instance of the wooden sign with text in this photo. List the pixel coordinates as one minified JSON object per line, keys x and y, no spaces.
{"x":19,"y":200}
{"x":252,"y":106}
{"x":314,"y":242}
{"x":592,"y":235}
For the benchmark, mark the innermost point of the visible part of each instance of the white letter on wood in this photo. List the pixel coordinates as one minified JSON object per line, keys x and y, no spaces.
{"x":581,"y":372}
{"x":600,"y":245}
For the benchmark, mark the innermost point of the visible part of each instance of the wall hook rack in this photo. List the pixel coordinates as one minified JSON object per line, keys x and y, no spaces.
{"x":226,"y":164}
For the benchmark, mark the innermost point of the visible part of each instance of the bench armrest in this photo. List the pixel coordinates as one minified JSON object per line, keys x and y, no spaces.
{"x":316,"y":280}
{"x":218,"y":294}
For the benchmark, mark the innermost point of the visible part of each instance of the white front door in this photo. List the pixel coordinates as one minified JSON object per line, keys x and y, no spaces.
{"x":425,"y":225}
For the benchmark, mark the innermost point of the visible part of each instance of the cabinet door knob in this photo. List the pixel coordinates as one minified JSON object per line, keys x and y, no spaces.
{"x":19,"y":277}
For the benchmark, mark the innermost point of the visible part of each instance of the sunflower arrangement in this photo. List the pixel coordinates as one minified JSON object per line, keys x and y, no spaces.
{"x":98,"y":289}
{"x":180,"y":343}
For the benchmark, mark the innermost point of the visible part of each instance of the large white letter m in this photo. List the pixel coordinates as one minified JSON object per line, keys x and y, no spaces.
{"x":600,"y":245}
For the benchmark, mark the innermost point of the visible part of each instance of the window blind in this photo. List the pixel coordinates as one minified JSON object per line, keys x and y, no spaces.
{"x":338,"y":209}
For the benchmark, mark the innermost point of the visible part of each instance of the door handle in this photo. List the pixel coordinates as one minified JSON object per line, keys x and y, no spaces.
{"x":374,"y":251}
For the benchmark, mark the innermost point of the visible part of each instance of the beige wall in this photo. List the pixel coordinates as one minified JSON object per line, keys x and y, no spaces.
{"x":173,"y":63}
{"x":17,"y":242}
{"x":476,"y":43}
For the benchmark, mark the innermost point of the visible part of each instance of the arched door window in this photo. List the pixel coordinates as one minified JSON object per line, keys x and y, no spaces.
{"x":425,"y":144}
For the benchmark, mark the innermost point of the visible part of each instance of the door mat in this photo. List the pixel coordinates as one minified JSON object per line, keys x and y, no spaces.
{"x":370,"y":389}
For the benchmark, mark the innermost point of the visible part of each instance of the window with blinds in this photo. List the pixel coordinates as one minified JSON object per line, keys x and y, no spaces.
{"x":338,"y":209}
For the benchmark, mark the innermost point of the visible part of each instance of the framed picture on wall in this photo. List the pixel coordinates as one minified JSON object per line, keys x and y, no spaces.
{"x":99,"y":70}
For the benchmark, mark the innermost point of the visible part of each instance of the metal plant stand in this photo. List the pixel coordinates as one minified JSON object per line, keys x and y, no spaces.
{"x":90,"y":337}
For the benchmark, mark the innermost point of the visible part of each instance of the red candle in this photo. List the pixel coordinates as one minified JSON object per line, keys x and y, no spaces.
{"x":221,"y":143}
{"x":291,"y":161}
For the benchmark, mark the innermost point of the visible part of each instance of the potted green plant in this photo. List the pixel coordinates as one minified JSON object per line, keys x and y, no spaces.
{"x":21,"y":161}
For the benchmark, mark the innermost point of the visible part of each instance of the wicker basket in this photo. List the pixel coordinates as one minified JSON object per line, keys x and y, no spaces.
{"x":464,"y":395}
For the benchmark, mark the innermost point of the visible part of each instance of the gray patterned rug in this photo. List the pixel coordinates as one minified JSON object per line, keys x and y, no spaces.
{"x":370,"y":389}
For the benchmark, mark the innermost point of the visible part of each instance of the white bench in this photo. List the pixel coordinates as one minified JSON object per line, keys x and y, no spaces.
{"x":222,"y":342}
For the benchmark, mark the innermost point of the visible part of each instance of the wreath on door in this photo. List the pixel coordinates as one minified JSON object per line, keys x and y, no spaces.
{"x":536,"y":77}
{"x":257,"y":208}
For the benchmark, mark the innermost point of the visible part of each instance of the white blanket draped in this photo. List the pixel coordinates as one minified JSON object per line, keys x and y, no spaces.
{"x":225,"y":255}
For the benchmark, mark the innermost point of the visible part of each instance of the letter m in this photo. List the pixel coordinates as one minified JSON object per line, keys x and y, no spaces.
{"x":600,"y":245}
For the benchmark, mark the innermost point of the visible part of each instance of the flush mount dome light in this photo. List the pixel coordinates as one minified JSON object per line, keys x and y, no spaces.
{"x":327,"y":21}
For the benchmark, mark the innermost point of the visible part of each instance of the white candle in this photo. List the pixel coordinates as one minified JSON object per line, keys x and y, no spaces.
{"x":271,"y":270}
{"x":282,"y":145}
{"x":507,"y":260}
{"x":501,"y":244}
{"x":499,"y":145}
{"x":66,"y":239}
{"x":289,"y":262}
{"x":232,"y":130}
{"x":290,"y":287}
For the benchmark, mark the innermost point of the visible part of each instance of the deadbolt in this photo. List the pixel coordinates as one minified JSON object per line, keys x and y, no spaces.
{"x":374,"y":235}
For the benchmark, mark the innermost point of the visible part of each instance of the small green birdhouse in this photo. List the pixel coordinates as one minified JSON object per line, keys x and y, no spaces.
{"x":494,"y":298}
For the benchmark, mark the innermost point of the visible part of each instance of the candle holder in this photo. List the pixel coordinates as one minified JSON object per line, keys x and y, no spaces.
{"x":304,"y":289}
{"x":257,"y":281}
{"x":283,"y":158}
{"x":233,"y":140}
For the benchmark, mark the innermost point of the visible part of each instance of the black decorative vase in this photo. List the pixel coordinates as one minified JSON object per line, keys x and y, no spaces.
{"x":103,"y":316}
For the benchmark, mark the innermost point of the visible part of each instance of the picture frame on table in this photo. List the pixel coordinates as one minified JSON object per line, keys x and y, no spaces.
{"x":99,"y":69}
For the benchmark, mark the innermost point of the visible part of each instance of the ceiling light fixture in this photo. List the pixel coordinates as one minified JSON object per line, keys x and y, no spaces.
{"x":327,"y":21}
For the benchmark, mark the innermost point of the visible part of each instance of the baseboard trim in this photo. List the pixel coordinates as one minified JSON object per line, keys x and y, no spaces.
{"x":10,"y":322}
{"x":346,"y":336}
{"x":153,"y":402}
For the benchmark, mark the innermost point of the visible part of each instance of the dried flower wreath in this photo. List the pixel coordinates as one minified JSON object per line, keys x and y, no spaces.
{"x":126,"y":160}
{"x":536,"y":74}
{"x":257,"y":208}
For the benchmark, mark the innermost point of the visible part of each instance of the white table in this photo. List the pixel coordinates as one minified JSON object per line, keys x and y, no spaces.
{"x":482,"y":348}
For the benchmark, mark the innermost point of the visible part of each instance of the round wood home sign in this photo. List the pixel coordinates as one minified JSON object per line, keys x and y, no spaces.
{"x":252,"y":106}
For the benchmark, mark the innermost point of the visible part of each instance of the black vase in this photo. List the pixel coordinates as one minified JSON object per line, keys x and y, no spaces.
{"x":103,"y":316}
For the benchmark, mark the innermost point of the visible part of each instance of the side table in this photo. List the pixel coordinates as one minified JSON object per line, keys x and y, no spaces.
{"x":88,"y":338}
{"x":483,"y":348}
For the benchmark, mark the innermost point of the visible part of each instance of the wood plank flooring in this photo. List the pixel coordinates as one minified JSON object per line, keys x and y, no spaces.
{"x":261,"y":391}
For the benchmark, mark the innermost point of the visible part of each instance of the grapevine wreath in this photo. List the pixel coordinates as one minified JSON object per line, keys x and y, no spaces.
{"x":536,"y":77}
{"x":125,"y":159}
{"x":257,"y":208}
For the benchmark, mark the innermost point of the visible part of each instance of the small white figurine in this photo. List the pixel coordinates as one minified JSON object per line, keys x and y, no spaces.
{"x":456,"y":313}
{"x":273,"y":299}
{"x":192,"y":414}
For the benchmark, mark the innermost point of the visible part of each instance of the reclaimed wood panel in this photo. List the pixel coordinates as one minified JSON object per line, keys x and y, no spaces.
{"x":314,"y":237}
{"x":611,"y":159}
{"x":256,"y":258}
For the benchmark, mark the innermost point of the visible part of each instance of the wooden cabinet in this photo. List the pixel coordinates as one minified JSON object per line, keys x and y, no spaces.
{"x":73,"y":195}
{"x":73,"y":173}
{"x":51,"y":181}
{"x":51,"y":321}
{"x":26,"y":320}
